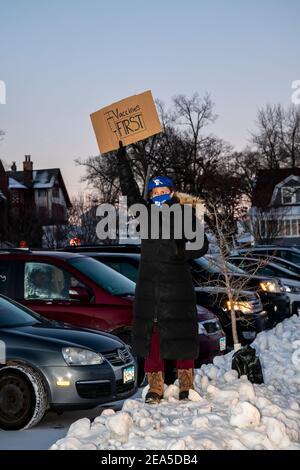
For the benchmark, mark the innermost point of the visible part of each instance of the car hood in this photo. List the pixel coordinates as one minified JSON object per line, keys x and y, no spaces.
{"x":291,"y":282}
{"x":64,"y":336}
{"x":222,"y":290}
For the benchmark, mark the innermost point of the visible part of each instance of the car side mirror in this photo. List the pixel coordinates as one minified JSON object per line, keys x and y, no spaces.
{"x":79,"y":293}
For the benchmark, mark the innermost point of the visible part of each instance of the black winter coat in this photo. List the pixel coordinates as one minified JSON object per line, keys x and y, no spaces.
{"x":164,"y":289}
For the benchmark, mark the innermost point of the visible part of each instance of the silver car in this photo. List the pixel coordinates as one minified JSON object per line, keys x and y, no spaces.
{"x":45,"y":365}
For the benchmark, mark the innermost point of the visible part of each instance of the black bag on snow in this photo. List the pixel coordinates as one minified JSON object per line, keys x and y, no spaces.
{"x":245,"y":362}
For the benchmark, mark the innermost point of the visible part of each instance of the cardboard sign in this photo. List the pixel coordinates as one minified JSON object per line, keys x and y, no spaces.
{"x":129,"y":120}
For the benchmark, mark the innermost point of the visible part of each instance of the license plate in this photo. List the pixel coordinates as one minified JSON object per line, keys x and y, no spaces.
{"x":128,"y":374}
{"x":223,"y":343}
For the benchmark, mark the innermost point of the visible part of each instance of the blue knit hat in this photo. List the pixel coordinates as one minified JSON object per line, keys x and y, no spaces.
{"x":160,"y":181}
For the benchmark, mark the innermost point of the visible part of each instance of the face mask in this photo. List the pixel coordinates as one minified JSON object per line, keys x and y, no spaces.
{"x":159,"y":200}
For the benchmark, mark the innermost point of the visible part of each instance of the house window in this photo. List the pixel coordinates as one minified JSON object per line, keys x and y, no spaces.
{"x":290,"y":195}
{"x":295,"y":227}
{"x":17,"y":197}
{"x":42,"y":193}
{"x":287,"y":195}
{"x":263,"y":228}
{"x":280,"y":228}
{"x":287,"y":228}
{"x":55,"y":192}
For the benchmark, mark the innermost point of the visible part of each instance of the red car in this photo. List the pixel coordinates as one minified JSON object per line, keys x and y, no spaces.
{"x":79,"y":290}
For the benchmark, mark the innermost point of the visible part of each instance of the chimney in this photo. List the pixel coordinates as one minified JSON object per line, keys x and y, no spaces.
{"x":13,"y":167}
{"x":27,"y":170}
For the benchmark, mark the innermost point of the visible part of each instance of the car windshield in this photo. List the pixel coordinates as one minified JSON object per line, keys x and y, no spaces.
{"x":214,"y":267}
{"x":290,"y":255}
{"x":104,"y":276}
{"x":286,"y":264}
{"x":13,"y":314}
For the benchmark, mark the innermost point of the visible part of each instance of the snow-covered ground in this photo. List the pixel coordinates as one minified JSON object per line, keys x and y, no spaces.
{"x":224,"y":412}
{"x":51,"y":428}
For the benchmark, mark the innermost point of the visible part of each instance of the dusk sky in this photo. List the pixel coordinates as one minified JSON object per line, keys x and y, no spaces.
{"x":62,"y":60}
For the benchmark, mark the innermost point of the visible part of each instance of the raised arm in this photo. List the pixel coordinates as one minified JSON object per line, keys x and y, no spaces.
{"x":129,"y":186}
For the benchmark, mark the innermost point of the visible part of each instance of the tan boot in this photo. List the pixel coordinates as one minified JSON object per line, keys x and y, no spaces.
{"x":156,"y":387}
{"x":186,"y":382}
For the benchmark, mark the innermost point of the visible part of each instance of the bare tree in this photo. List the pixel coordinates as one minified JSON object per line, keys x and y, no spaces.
{"x":192,"y":115}
{"x":233,"y":284}
{"x":55,"y":236}
{"x":81,"y":223}
{"x":82,"y":218}
{"x":277,"y":137}
{"x":24,"y":225}
{"x":267,"y":136}
{"x":267,"y":224}
{"x":246,"y":165}
{"x":290,"y":136}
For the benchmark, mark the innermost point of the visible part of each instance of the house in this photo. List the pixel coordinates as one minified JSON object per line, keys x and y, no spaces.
{"x":276,"y":206}
{"x":43,"y":191}
{"x":4,"y":196}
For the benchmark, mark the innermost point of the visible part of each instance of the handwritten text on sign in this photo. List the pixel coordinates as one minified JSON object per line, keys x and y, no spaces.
{"x":127,"y":122}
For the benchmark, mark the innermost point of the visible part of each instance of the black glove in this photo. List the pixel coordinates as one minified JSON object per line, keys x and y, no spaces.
{"x":122,"y":149}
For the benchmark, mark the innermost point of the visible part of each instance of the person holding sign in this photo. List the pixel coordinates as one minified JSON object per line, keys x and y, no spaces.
{"x":165,"y":322}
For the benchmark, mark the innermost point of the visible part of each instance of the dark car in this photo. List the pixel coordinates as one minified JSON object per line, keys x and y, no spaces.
{"x":289,"y":280}
{"x":214,"y":298}
{"x":45,"y":365}
{"x":270,"y":290}
{"x":251,"y":318}
{"x":212,"y":339}
{"x":266,"y":266}
{"x":291,"y":269}
{"x":291,"y":254}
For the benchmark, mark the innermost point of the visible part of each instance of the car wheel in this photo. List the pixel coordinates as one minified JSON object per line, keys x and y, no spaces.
{"x":23,"y":397}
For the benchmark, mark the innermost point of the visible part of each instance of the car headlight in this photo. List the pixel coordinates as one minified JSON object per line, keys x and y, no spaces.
{"x":240,"y":306}
{"x":270,"y":286}
{"x":81,"y":357}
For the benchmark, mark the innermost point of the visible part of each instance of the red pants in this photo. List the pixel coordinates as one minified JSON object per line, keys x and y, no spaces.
{"x":154,"y":363}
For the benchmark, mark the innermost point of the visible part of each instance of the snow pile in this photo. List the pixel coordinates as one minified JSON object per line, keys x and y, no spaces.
{"x":223,"y":412}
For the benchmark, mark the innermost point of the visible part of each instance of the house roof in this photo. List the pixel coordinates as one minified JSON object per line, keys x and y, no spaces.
{"x":2,"y":196}
{"x":41,"y":179}
{"x":15,"y":184}
{"x":266,"y":182}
